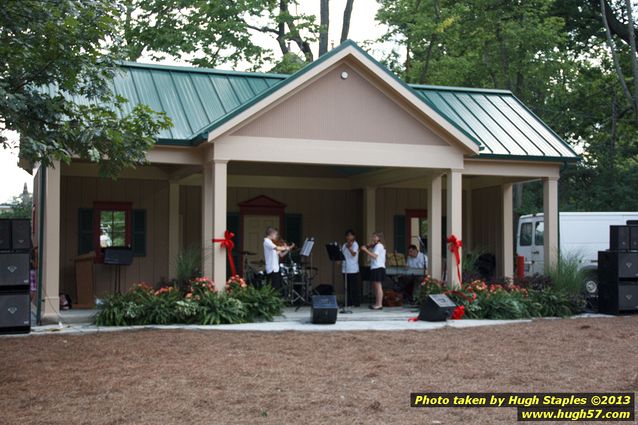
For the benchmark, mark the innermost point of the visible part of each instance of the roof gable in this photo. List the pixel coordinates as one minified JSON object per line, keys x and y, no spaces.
{"x":336,"y":108}
{"x":347,"y":50}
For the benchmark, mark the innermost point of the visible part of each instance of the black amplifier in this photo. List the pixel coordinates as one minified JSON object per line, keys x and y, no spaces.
{"x":614,"y":265}
{"x":14,"y":269}
{"x":15,"y":312}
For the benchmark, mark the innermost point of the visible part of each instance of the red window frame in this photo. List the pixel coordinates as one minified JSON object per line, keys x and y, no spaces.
{"x":98,"y":207}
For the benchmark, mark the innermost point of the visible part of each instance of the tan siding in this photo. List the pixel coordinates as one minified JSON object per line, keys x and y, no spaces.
{"x":487,"y":222}
{"x":81,"y":192}
{"x":336,"y":109}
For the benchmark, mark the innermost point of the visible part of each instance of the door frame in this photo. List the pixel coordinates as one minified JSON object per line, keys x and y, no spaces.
{"x":411,"y":213}
{"x":259,"y":205}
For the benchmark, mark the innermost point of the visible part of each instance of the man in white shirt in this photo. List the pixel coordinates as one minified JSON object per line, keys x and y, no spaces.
{"x":350,"y":268}
{"x":272,"y":254}
{"x":416,"y":259}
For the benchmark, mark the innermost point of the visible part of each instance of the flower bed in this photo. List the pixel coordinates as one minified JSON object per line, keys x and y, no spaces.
{"x":480,"y":300}
{"x":198,"y":303}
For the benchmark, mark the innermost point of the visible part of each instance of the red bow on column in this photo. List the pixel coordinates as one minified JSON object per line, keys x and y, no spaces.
{"x":228,"y":243}
{"x":455,"y":248}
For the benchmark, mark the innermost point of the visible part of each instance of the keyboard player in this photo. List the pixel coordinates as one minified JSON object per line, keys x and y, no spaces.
{"x":415,"y":260}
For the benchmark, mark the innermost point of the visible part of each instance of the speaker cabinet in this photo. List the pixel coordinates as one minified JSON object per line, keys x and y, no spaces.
{"x":437,"y":308}
{"x":633,"y":238}
{"x":15,"y":312}
{"x":617,"y":265}
{"x":619,"y":238}
{"x":14,"y":269}
{"x":5,"y":235}
{"x":20,"y":234}
{"x":618,"y":297}
{"x":324,"y":309}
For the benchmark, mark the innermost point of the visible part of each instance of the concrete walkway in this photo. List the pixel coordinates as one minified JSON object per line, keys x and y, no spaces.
{"x":361,"y":319}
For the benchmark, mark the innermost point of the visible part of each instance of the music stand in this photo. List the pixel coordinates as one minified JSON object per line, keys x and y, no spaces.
{"x":335,"y":254}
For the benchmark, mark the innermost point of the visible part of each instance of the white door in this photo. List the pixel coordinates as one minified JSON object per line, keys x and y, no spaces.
{"x":255,"y":226}
{"x":524,"y":243}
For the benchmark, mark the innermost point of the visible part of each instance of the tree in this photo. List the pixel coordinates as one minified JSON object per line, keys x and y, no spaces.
{"x":20,"y":207}
{"x":212,"y":33}
{"x":54,"y":86}
{"x":324,"y":26}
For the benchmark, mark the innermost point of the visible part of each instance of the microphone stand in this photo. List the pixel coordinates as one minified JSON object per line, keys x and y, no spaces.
{"x":345,"y":309}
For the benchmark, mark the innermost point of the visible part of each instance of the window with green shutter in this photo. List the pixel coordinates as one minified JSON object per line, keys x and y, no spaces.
{"x":399,"y":234}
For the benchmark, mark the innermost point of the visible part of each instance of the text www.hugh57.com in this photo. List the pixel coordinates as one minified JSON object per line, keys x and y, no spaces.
{"x":572,"y":415}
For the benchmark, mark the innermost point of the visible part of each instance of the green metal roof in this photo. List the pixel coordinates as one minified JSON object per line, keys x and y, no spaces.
{"x":200,"y":99}
{"x":498,"y":120}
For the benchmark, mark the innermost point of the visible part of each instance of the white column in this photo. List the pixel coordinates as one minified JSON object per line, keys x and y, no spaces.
{"x":173,"y":227}
{"x":508,"y":230}
{"x":550,"y":218}
{"x":454,"y":221}
{"x":50,"y":267}
{"x":467,"y":214}
{"x":434,"y":227}
{"x":220,"y":187}
{"x":369,"y":211}
{"x":207,"y":219}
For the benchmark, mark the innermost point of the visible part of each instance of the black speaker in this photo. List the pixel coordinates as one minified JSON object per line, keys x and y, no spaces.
{"x":614,"y":265}
{"x":5,"y":235}
{"x":324,"y":309}
{"x":14,"y":269}
{"x":633,"y":238}
{"x":20,"y":234}
{"x":15,"y":312}
{"x":619,"y":238}
{"x":618,"y":282}
{"x":118,"y":256}
{"x":437,"y":308}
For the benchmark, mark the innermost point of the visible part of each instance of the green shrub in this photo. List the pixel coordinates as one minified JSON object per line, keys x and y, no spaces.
{"x":504,"y":301}
{"x":199,"y":304}
{"x":567,"y":276}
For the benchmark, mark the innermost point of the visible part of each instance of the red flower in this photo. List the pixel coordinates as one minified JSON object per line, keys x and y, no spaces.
{"x":458,"y":313}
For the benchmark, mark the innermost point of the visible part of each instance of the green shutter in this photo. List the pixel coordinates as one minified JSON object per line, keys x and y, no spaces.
{"x":232,"y":224}
{"x":293,"y":228}
{"x":138,"y":226}
{"x":399,"y":234}
{"x":85,"y":230}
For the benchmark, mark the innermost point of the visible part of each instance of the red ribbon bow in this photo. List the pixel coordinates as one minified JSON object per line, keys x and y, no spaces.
{"x":455,"y":248}
{"x":228,"y":243}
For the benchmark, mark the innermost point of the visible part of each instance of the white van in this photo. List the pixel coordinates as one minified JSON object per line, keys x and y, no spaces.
{"x":580,"y":233}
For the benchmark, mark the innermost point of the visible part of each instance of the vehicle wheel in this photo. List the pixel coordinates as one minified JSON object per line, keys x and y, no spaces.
{"x":590,"y":289}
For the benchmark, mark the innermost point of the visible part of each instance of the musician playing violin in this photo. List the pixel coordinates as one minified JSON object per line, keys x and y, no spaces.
{"x":376,"y":251}
{"x":274,"y":249}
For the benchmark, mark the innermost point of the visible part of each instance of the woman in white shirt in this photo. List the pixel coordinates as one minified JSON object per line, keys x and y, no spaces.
{"x":350,"y":268}
{"x":376,"y":252}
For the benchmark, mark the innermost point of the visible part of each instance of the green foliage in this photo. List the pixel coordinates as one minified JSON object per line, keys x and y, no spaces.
{"x":202,"y":304}
{"x":20,"y":208}
{"x":263,"y":302}
{"x":289,"y":63}
{"x":187,"y":265}
{"x":567,"y":276}
{"x":504,"y":301}
{"x":54,"y":86}
{"x":212,"y":33}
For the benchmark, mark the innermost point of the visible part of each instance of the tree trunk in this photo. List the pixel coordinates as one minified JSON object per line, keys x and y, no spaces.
{"x":347,"y":14}
{"x":614,"y":56}
{"x":634,"y":61}
{"x":613,"y":23}
{"x":324,"y":26}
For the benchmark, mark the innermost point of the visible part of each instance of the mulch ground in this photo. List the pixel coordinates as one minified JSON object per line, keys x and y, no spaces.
{"x":210,"y":377}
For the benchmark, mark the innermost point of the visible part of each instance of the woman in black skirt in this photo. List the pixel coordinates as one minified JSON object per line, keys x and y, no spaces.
{"x":376,"y":252}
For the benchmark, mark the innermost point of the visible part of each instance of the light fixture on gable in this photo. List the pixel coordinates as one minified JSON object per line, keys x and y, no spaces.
{"x":344,"y":75}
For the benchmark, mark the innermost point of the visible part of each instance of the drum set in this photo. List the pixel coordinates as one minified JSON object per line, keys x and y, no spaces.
{"x":297,"y":277}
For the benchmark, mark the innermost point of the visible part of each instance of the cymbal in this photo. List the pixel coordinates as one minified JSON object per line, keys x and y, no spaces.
{"x":247,"y":253}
